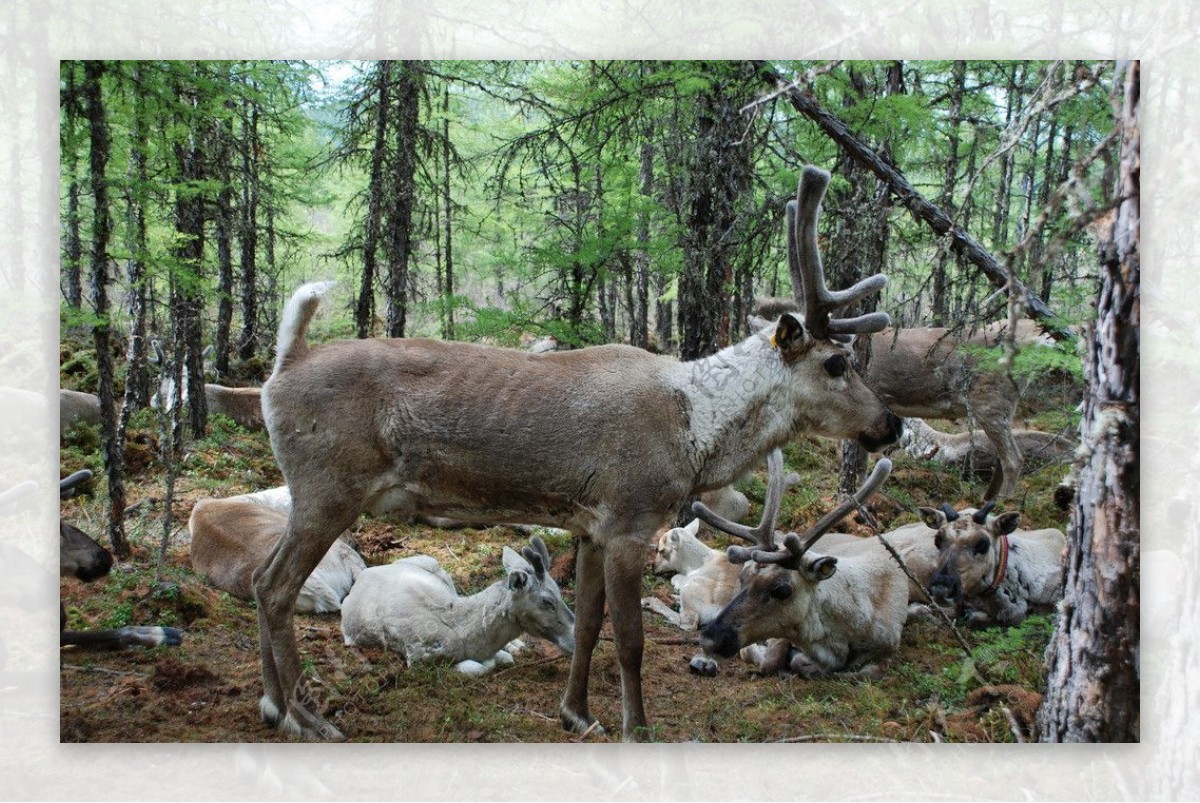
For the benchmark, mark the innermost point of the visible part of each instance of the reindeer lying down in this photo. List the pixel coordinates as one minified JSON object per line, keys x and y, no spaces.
{"x":412,"y":607}
{"x":838,"y":612}
{"x":995,"y":571}
{"x":231,"y":537}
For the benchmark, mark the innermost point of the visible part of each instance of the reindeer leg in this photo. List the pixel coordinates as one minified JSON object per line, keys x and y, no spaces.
{"x":623,"y":566}
{"x":286,"y":702}
{"x":1008,"y":458}
{"x":589,"y":615}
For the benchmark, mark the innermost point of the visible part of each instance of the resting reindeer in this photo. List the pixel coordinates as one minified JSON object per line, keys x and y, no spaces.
{"x":411,"y":607}
{"x":839,"y":613}
{"x":973,"y":451}
{"x":703,"y":577}
{"x":243,"y":405}
{"x":75,"y":407}
{"x":82,"y":557}
{"x":231,"y":537}
{"x":994,"y":570}
{"x":607,"y":441}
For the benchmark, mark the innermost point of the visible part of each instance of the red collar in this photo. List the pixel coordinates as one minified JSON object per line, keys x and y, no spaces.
{"x":1001,"y":566}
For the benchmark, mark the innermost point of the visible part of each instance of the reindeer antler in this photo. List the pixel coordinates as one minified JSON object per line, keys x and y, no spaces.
{"x":763,"y":535}
{"x":538,"y":556}
{"x":808,"y":276}
{"x":794,"y":546}
{"x":980,"y":516}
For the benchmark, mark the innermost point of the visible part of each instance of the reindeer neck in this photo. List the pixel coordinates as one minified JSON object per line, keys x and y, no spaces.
{"x":485,"y":621}
{"x":741,"y":404}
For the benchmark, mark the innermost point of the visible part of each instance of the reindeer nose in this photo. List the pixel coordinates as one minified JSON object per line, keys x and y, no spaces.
{"x":945,"y":587}
{"x":716,"y":640}
{"x":893,"y":427}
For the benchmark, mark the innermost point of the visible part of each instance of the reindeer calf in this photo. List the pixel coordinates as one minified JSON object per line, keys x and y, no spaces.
{"x":994,"y":570}
{"x":413,"y":608}
{"x":232,"y":537}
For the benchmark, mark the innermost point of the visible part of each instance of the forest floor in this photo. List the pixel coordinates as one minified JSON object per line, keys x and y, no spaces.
{"x":207,"y":690}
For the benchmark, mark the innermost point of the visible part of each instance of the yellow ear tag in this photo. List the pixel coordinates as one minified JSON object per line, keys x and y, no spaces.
{"x":774,"y":342}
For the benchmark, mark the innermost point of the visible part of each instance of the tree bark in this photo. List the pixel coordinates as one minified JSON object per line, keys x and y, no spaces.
{"x":403,"y":194}
{"x":114,"y":463}
{"x":1094,"y":677}
{"x":248,"y":344}
{"x":364,"y":312}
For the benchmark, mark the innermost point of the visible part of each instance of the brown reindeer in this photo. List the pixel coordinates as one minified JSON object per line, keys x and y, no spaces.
{"x":607,"y":441}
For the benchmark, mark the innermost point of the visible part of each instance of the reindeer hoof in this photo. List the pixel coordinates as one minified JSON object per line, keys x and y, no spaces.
{"x":579,"y":724}
{"x":705,"y":667}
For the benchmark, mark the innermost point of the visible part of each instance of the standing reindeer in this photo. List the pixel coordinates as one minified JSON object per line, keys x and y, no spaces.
{"x":837,"y":612}
{"x":607,"y":441}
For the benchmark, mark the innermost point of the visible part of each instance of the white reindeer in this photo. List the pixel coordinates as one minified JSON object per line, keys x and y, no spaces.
{"x":837,"y":613}
{"x":990,"y":567}
{"x":411,"y":607}
{"x":231,"y":537}
{"x":608,"y":442}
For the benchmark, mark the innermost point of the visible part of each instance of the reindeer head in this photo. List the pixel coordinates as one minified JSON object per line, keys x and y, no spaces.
{"x":778,"y":580}
{"x":815,"y":345}
{"x":537,"y":602}
{"x":675,"y":546}
{"x":972,"y":547}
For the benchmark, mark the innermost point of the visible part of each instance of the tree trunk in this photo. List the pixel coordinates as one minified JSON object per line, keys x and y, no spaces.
{"x":939,"y":306}
{"x":1094,"y":678}
{"x":403,"y":195}
{"x":225,"y":291}
{"x":137,"y":378}
{"x":189,"y":252}
{"x":70,"y":154}
{"x":364,"y":312}
{"x":446,"y":291}
{"x":114,"y":464}
{"x":248,"y":343}
{"x":639,"y":331}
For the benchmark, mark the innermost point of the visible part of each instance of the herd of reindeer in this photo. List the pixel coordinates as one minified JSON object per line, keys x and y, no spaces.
{"x":610,"y":443}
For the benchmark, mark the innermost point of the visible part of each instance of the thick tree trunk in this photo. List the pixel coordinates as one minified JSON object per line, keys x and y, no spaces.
{"x":403,"y":195}
{"x":114,"y":463}
{"x":1094,"y":678}
{"x":364,"y":312}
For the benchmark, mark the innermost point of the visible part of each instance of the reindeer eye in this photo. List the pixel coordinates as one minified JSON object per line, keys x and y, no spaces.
{"x":982,"y":545}
{"x":781,"y":591}
{"x":836,"y":365}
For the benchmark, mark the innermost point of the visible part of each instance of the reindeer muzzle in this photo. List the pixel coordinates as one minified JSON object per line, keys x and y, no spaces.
{"x":892,"y":429}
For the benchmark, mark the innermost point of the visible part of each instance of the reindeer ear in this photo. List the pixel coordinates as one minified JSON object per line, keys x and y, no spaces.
{"x":822,"y":568}
{"x":933,"y":518}
{"x":512,"y":561}
{"x":1007,"y":522}
{"x":789,"y":334}
{"x":693,"y":528}
{"x":518,"y":579}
